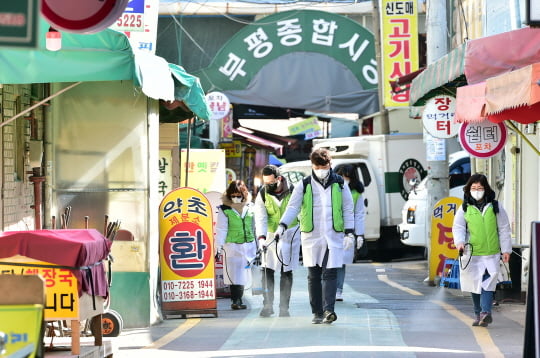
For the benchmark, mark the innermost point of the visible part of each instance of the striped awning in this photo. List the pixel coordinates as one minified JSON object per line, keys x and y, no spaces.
{"x":475,"y":62}
{"x":448,"y":71}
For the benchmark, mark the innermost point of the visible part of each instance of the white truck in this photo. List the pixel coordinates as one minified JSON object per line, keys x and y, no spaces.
{"x":387,"y":165}
{"x":415,"y":215}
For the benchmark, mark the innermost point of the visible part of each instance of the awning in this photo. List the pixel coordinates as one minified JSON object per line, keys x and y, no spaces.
{"x":510,"y":96}
{"x":470,"y":103}
{"x":449,"y":70}
{"x":260,"y":142}
{"x":476,"y":61}
{"x":104,"y":56}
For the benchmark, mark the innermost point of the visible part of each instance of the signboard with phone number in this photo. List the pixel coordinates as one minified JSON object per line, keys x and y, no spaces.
{"x":188,"y":290}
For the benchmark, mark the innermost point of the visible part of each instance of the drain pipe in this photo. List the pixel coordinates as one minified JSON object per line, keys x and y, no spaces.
{"x":36,"y":178}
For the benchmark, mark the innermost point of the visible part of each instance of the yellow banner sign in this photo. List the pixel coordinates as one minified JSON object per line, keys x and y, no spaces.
{"x":62,"y":296}
{"x":399,"y":45}
{"x":310,"y":124}
{"x":186,"y":249}
{"x":442,"y":240}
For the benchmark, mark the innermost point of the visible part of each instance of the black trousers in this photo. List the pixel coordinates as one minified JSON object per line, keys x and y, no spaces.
{"x":285,"y":287}
{"x":322,"y":286}
{"x":237,"y":292}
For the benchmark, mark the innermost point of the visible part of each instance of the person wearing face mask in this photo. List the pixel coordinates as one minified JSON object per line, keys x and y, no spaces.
{"x":281,"y":255}
{"x":235,"y":238}
{"x":481,"y":231}
{"x":324,"y":206}
{"x":350,"y":176}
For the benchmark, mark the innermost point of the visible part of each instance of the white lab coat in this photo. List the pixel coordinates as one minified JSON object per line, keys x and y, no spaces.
{"x":359,"y":217}
{"x":471,"y":277}
{"x":236,"y":269}
{"x":323,"y":236}
{"x":288,"y":246}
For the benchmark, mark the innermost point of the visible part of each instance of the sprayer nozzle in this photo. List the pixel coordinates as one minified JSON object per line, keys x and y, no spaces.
{"x":460,"y":252}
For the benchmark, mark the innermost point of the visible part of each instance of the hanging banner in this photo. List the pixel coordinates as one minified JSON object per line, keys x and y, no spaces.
{"x":165,"y":172}
{"x":399,"y":46}
{"x":438,"y":117}
{"x":186,"y":254}
{"x":442,"y":240}
{"x":483,"y":139}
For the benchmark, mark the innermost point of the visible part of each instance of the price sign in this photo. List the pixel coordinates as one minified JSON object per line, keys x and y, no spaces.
{"x":438,"y":117}
{"x":483,"y":139}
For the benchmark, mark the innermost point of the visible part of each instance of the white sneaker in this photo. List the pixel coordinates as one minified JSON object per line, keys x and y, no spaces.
{"x":339,"y":295}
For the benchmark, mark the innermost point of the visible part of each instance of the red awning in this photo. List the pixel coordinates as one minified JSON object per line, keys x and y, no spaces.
{"x":511,"y":96}
{"x":260,"y":142}
{"x":470,"y":103}
{"x":514,"y":95}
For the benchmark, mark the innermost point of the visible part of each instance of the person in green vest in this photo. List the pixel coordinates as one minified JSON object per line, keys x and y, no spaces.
{"x":281,"y":256}
{"x":325,"y":206}
{"x":235,"y":238}
{"x":350,"y":176}
{"x":481,"y":232}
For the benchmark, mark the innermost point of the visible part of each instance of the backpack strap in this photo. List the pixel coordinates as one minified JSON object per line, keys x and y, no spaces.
{"x":306,"y":181}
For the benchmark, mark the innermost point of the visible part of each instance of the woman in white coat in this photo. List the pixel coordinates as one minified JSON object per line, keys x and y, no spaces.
{"x":326,"y":224}
{"x":235,"y":237}
{"x":350,"y":176}
{"x":481,"y":232}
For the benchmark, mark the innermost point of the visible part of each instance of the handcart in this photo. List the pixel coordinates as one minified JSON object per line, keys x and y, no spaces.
{"x":76,"y":285}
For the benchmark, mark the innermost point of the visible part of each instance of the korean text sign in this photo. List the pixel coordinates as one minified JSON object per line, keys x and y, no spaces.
{"x":61,"y":293}
{"x":186,"y":250}
{"x":399,"y":45}
{"x":442,"y":240}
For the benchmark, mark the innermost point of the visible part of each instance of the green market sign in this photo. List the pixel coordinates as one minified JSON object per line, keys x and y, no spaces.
{"x":273,"y":36}
{"x":18,"y":23}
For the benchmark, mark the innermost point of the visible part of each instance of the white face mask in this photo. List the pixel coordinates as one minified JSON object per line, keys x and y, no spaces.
{"x":346,"y":180}
{"x":477,"y":194}
{"x":236,"y":200}
{"x":321,"y":173}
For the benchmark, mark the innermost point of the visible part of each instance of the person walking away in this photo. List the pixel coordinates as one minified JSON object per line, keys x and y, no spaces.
{"x":280,"y":256}
{"x":235,"y":238}
{"x":325,"y":207}
{"x":350,"y":176}
{"x":481,"y":231}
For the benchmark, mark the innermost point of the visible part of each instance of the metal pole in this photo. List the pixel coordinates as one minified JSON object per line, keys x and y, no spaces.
{"x":383,"y":113}
{"x":188,"y":147}
{"x":437,"y":47}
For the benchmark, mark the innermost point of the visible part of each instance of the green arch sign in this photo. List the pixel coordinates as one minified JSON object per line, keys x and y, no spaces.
{"x":273,"y":36}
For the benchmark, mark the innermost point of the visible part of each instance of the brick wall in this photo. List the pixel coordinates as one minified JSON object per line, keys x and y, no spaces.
{"x":16,"y":189}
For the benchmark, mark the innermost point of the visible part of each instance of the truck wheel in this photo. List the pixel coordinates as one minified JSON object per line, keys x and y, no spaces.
{"x":111,"y":323}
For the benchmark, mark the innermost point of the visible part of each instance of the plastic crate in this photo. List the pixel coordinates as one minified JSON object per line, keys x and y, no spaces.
{"x":450,"y":274}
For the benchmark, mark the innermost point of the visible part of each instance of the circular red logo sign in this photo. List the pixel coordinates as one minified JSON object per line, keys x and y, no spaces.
{"x":482,"y":139}
{"x":82,"y":16}
{"x":187,"y":249}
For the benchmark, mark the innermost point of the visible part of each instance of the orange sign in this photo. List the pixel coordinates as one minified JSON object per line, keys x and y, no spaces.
{"x":442,"y":240}
{"x":186,"y":251}
{"x":62,"y":297}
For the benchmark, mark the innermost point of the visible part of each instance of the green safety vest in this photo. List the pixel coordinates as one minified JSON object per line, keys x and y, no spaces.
{"x":275,"y":211}
{"x":306,"y":211}
{"x":483,"y":231}
{"x":240,"y":229}
{"x":355,"y":196}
